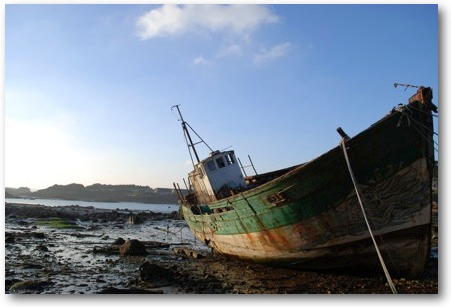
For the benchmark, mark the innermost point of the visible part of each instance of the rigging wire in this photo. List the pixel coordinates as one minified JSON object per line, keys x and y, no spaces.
{"x":422,"y":111}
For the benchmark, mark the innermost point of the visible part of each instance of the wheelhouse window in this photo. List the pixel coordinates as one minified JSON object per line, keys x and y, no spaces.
{"x":211,"y":165}
{"x":230,"y":159}
{"x":220,"y":162}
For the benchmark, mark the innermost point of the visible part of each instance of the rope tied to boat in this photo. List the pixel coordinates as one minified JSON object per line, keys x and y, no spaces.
{"x":403,"y":109}
{"x":358,"y":192}
{"x":422,"y":130}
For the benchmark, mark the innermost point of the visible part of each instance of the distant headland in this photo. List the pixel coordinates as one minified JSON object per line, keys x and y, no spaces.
{"x":99,"y":192}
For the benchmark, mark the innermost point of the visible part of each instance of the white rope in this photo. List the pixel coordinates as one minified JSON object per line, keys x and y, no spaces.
{"x":357,"y":190}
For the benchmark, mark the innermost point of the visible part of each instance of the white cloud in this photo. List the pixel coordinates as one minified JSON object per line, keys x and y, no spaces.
{"x":234,"y":23}
{"x":230,"y":50}
{"x":267,"y":55}
{"x":200,"y":60}
{"x":171,"y":19}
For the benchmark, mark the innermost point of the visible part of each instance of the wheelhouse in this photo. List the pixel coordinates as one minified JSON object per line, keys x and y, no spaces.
{"x":217,"y":177}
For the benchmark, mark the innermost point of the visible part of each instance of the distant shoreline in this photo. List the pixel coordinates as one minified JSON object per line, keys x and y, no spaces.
{"x":99,"y":193}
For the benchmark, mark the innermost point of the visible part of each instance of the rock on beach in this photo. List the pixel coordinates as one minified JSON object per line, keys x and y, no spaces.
{"x":133,"y":248}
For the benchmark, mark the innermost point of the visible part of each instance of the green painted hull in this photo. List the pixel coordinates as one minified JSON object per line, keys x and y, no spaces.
{"x":310,"y":216}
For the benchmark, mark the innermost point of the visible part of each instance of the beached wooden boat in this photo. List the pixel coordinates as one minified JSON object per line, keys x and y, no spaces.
{"x":309,"y":216}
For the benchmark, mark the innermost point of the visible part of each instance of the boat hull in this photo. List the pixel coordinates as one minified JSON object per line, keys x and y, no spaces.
{"x":310,"y":217}
{"x":405,"y":252}
{"x":338,"y":238}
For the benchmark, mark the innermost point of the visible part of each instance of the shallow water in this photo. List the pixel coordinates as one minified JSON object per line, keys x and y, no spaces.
{"x":69,"y":266}
{"x":164,"y":208}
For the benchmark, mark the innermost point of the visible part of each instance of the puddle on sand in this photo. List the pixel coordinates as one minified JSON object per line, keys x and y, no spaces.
{"x":65,"y":257}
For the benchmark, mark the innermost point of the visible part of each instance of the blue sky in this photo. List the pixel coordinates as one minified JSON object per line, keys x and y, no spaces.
{"x":89,"y":88}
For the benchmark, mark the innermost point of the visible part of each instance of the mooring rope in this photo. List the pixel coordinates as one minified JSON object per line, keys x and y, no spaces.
{"x":357,"y":190}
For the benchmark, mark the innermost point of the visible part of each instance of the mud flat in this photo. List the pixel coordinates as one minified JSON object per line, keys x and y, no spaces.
{"x":84,"y":250}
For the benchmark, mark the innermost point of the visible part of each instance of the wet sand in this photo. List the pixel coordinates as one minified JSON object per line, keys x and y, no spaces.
{"x":83,"y":256}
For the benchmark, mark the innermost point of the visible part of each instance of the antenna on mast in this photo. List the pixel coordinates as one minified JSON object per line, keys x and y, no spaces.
{"x":405,"y":85}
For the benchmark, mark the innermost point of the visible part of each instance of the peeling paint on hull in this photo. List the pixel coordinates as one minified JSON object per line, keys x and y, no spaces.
{"x":405,"y":257}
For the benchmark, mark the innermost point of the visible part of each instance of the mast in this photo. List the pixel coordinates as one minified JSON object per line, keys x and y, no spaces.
{"x":187,"y":135}
{"x":188,"y":139}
